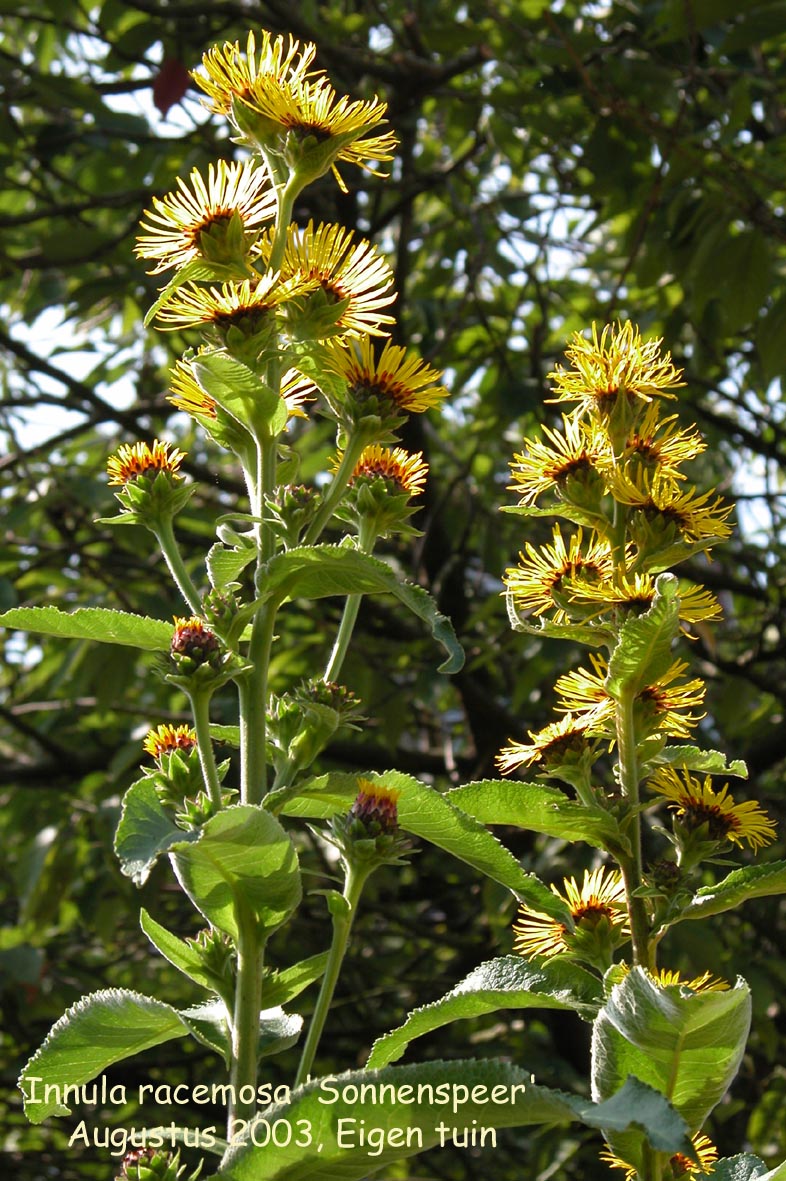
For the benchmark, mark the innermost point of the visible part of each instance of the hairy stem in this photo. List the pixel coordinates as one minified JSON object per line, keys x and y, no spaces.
{"x":334,"y":493}
{"x":165,"y":537}
{"x":200,"y":706}
{"x":643,"y":951}
{"x":245,"y":1023}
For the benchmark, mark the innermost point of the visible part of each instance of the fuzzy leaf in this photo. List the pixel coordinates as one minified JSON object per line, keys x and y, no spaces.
{"x":243,"y":865}
{"x":643,"y":653}
{"x":745,"y":1167}
{"x":179,"y":953}
{"x":410,"y":1127}
{"x":281,"y":987}
{"x":98,"y":1030}
{"x":538,"y":808}
{"x":425,"y":813}
{"x":687,"y":1045}
{"x":144,"y":832}
{"x":506,"y":983}
{"x":224,"y":564}
{"x":592,"y":634}
{"x":752,"y":881}
{"x":319,"y":571}
{"x":93,"y":623}
{"x":695,"y":759}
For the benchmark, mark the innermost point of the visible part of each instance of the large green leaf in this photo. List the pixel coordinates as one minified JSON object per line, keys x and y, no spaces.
{"x":688,"y":1045}
{"x":693,"y":758}
{"x":643,"y":652}
{"x":538,"y":808}
{"x":319,"y":571}
{"x":93,"y":623}
{"x":745,"y":1167}
{"x":239,"y":391}
{"x":325,"y":1117}
{"x":145,"y":831}
{"x":98,"y":1030}
{"x":752,"y":881}
{"x":243,"y":864}
{"x":505,"y":983}
{"x":425,"y":813}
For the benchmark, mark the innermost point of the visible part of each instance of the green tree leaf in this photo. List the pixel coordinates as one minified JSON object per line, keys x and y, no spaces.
{"x":506,"y":983}
{"x":243,"y":863}
{"x":425,"y":813}
{"x":93,"y":623}
{"x":538,"y":808}
{"x":741,"y":885}
{"x":315,"y":572}
{"x":144,"y":832}
{"x":98,"y":1030}
{"x":686,"y":1045}
{"x":644,"y":650}
{"x":330,"y":1111}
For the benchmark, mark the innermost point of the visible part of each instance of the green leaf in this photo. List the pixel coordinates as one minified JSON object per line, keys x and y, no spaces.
{"x":316,"y":572}
{"x":643,"y":653}
{"x":144,"y":832}
{"x":752,"y":881}
{"x":538,"y":808}
{"x":745,"y":1167}
{"x":239,"y":390}
{"x":506,"y":983}
{"x":98,"y":1030}
{"x":93,"y":623}
{"x":695,"y":759}
{"x":408,"y":1120}
{"x":281,"y":987}
{"x":243,"y":865}
{"x":425,"y":813}
{"x":594,"y":635}
{"x":209,"y":1024}
{"x":224,"y":564}
{"x":776,"y":1174}
{"x":687,"y":1045}
{"x":179,"y":953}
{"x":198,"y":268}
{"x":278,"y":1030}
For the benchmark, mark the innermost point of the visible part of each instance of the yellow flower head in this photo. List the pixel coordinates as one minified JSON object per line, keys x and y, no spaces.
{"x":545,"y":467}
{"x":636,"y":593}
{"x":232,"y":74}
{"x":406,"y":470}
{"x":694,"y":516}
{"x":682,"y":1167}
{"x":376,"y":806}
{"x":696,"y":803}
{"x":396,"y":377}
{"x":617,"y":362}
{"x":329,"y":260}
{"x":175,"y":225}
{"x":660,"y":445}
{"x":553,"y":744}
{"x":598,"y":903}
{"x":137,"y":459}
{"x":670,"y":978}
{"x":246,"y":303}
{"x":660,"y":707}
{"x":534,"y":584}
{"x":162,"y":740}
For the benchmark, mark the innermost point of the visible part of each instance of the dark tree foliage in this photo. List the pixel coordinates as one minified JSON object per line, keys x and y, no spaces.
{"x":559,"y":164}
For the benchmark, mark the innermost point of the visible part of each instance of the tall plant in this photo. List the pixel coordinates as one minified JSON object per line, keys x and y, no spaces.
{"x":289,"y":314}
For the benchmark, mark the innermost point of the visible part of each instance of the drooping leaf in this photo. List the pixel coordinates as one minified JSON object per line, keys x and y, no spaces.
{"x":643,"y":653}
{"x":98,"y":1030}
{"x":506,"y":983}
{"x":144,"y":832}
{"x":688,"y":1045}
{"x":425,"y":813}
{"x":243,"y":864}
{"x":319,"y":571}
{"x":453,"y":1094}
{"x":538,"y":808}
{"x":93,"y":623}
{"x":741,"y":885}
{"x":693,"y":758}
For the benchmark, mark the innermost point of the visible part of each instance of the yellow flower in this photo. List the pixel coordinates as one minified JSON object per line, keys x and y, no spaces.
{"x":137,"y":459}
{"x":697,"y":803}
{"x":545,"y":467}
{"x":187,"y":394}
{"x":553,"y":744}
{"x":660,"y":444}
{"x":682,"y":1168}
{"x":328,"y":259}
{"x":177,"y":222}
{"x":636,"y":593}
{"x":246,"y":303}
{"x":162,"y":740}
{"x":376,"y":806}
{"x":398,"y":378}
{"x":538,"y":578}
{"x":617,"y":362}
{"x":406,"y":470}
{"x":598,"y":905}
{"x":670,"y":978}
{"x":660,"y":707}
{"x":695,"y":516}
{"x":231,"y":74}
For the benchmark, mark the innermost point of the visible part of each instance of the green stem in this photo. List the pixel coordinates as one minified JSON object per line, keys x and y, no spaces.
{"x":200,"y":706}
{"x":367,"y":537}
{"x":245,"y":1022}
{"x":165,"y":536}
{"x":342,"y":925}
{"x":286,"y":201}
{"x":643,"y":951}
{"x":355,"y":447}
{"x":252,"y":695}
